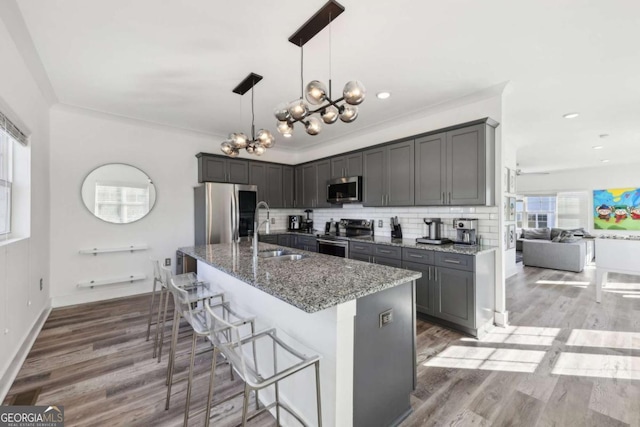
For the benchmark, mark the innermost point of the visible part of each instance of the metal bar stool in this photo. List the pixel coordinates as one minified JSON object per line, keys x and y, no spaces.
{"x":157,"y":278}
{"x":189,"y":305}
{"x":228,"y":341}
{"x":188,"y":281}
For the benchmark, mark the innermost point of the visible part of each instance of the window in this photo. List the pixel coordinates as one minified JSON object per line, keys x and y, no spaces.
{"x":121,"y":203}
{"x":536,"y":212}
{"x":10,"y":135}
{"x":574,"y":209}
{"x":6,"y":178}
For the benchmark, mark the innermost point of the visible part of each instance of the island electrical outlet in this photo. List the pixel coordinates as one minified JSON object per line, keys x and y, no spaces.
{"x":386,"y":317}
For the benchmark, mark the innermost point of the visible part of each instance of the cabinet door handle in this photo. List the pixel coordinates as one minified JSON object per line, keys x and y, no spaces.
{"x":416,"y":256}
{"x":383,"y":251}
{"x":382,"y":200}
{"x":444,"y":199}
{"x":429,"y":273}
{"x":449,"y":197}
{"x":452,"y":261}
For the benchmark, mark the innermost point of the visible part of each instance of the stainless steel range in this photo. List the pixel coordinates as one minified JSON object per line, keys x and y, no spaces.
{"x":336,"y":243}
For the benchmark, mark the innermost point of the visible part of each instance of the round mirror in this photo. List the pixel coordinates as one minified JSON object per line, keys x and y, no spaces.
{"x":118,"y":193}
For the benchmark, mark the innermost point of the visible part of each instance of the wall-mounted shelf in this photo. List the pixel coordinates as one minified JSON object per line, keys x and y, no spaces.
{"x":114,"y":280}
{"x":132,"y":248}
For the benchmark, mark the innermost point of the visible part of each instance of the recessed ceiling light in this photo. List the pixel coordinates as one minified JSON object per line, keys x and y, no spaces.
{"x":605,"y":161}
{"x":604,"y":135}
{"x":571,"y":115}
{"x":383,"y":95}
{"x":597,"y":147}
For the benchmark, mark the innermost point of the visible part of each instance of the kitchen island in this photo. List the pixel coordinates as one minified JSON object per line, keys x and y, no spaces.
{"x":359,"y":317}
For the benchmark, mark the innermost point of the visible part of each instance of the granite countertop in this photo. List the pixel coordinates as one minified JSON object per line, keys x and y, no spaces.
{"x":405,"y":243}
{"x":311,"y":284}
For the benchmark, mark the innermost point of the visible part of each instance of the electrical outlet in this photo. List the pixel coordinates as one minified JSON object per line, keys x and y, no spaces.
{"x":380,"y":223}
{"x":167,"y":262}
{"x":273,"y":221}
{"x":41,"y":283}
{"x":386,"y":317}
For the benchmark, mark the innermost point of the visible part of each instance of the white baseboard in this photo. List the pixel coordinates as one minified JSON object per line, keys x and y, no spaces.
{"x":84,"y":296}
{"x":7,"y":378}
{"x":501,"y":318}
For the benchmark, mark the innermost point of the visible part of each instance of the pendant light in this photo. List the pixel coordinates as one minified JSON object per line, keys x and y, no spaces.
{"x":259,"y":142}
{"x":316,"y":92}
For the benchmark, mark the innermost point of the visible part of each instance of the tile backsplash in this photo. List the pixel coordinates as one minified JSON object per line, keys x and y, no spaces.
{"x":410,"y":219}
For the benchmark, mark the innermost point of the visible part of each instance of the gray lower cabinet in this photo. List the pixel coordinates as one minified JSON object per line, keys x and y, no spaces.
{"x":425,"y":286}
{"x":346,"y":166}
{"x":268,"y":238}
{"x":288,"y":180}
{"x":457,"y":289}
{"x":391,"y":256}
{"x":454,"y":296}
{"x":388,"y":175}
{"x":307,"y":243}
{"x":456,"y":167}
{"x":284,"y":240}
{"x":221,"y":169}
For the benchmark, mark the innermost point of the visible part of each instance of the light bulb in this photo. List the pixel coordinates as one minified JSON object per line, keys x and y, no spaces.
{"x":282,"y":112}
{"x":239,"y":140}
{"x":226,"y":147}
{"x":316,"y":92}
{"x":285,"y":128}
{"x":259,"y":150}
{"x":298,"y":109}
{"x":234,"y":153}
{"x":330,"y":114}
{"x":250,"y":148}
{"x":265,"y":138}
{"x":349,"y":113}
{"x":354,"y":92}
{"x":313,"y":126}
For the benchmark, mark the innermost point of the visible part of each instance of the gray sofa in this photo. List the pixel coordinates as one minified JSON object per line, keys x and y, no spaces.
{"x":540,"y":251}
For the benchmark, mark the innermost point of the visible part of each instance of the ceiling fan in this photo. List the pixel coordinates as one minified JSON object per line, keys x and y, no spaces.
{"x":519,"y":172}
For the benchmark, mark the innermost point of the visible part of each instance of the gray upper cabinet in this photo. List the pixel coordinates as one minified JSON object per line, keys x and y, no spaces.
{"x":258,"y":176}
{"x":221,"y":169}
{"x":269,"y":179}
{"x":274,"y":186}
{"x":288,"y":181}
{"x":401,"y":174}
{"x":309,"y":185}
{"x":374,"y":178}
{"x":298,"y":201}
{"x":346,"y":166}
{"x":323,"y":170}
{"x":456,"y":167}
{"x":466,"y":166}
{"x":389,"y":175}
{"x":430,"y":164}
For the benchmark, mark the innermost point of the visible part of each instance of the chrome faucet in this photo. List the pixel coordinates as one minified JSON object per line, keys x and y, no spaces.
{"x":256,"y":226}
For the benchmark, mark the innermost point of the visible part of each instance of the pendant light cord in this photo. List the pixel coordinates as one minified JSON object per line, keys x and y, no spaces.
{"x":301,"y":70}
{"x":330,"y":43}
{"x":253,"y":136}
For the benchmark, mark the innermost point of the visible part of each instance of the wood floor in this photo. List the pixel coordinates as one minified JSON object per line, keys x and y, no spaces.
{"x":564,"y":361}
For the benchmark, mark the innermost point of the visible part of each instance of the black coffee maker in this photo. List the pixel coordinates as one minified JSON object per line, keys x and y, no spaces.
{"x":307,"y":224}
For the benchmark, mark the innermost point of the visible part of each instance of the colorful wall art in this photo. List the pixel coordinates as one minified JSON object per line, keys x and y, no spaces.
{"x":616,"y":209}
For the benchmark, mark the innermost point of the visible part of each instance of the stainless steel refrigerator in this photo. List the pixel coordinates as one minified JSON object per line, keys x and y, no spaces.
{"x":224,"y":212}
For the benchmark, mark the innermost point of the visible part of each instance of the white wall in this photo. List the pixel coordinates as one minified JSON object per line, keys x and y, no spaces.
{"x":82,"y":140}
{"x":587,"y":179}
{"x":24,"y":259}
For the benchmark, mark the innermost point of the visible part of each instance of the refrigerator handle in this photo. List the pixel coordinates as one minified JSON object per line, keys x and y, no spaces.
{"x":233,"y":217}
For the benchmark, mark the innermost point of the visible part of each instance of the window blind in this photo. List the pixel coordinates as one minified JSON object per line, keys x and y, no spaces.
{"x":573,"y":209}
{"x":13,"y":130}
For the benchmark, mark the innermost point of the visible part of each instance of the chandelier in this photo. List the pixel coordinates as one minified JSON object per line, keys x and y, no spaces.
{"x":259,"y":142}
{"x":316,"y":92}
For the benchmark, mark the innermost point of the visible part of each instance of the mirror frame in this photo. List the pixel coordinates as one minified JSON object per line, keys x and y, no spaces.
{"x":122,"y":164}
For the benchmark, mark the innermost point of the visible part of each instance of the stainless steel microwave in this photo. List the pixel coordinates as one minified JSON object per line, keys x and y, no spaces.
{"x":345,"y":190}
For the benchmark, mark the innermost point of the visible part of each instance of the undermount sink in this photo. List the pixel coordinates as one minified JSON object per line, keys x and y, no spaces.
{"x":289,"y":257}
{"x":271,"y":254}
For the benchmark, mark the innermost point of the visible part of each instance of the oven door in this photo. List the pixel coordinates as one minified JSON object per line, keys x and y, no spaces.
{"x":338,"y":248}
